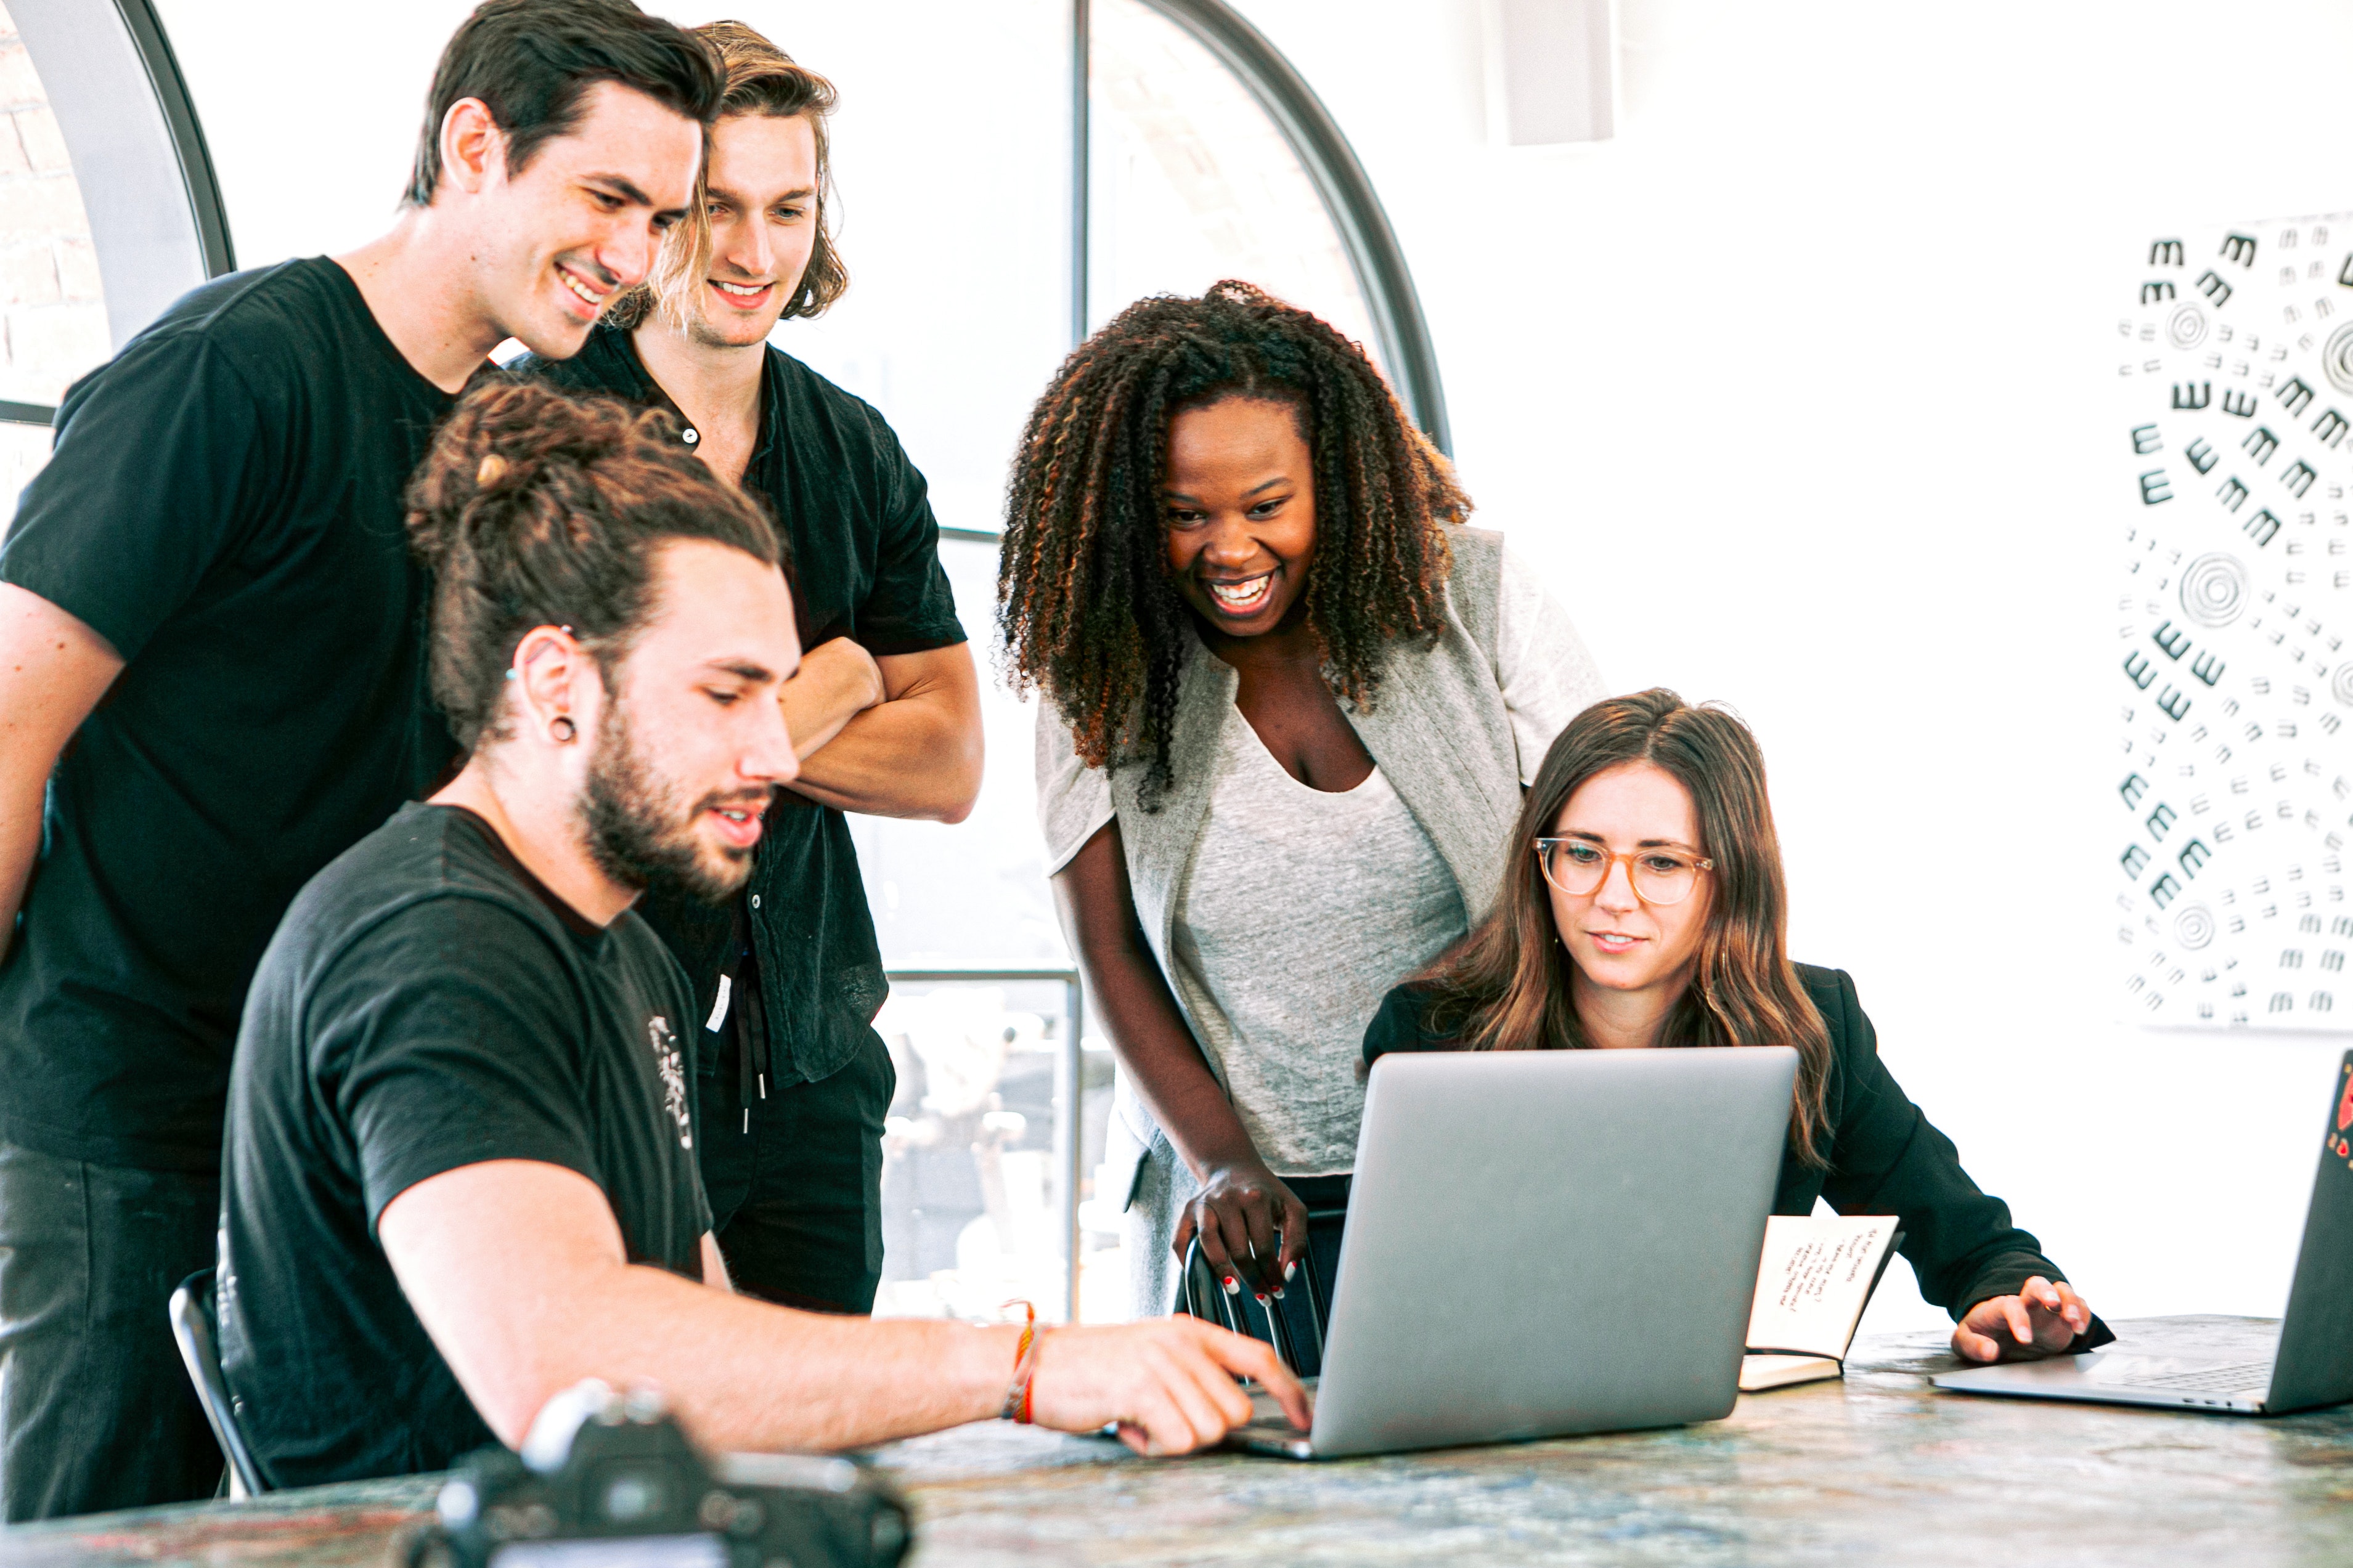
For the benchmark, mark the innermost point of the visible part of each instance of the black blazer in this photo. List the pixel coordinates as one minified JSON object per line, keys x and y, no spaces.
{"x":1885,"y":1157}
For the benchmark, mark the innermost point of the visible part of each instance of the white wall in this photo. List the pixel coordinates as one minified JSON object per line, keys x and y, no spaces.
{"x":1799,"y":390}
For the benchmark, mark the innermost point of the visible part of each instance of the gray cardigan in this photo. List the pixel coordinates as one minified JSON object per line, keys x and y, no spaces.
{"x":1438,"y":729}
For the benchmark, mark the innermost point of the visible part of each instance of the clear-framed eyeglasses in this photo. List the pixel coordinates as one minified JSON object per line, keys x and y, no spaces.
{"x":1579,"y":867}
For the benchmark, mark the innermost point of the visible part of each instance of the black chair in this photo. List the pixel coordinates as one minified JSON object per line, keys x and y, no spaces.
{"x":1293,"y":1326}
{"x":197,"y":1332}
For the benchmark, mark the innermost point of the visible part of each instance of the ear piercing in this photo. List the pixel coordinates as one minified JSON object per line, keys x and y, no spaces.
{"x":563,"y":728}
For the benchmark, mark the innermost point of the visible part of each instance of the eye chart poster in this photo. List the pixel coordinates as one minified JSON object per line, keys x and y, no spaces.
{"x":2232,"y":789}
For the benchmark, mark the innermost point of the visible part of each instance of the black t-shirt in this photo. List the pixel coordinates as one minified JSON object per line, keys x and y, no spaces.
{"x":427,"y":1004}
{"x":866,"y":565}
{"x":224,"y":506}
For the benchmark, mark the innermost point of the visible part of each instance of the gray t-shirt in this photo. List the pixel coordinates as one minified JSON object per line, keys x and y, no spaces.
{"x":1300,"y":909}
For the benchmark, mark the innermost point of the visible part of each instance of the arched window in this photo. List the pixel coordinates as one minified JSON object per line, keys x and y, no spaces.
{"x":1195,"y":153}
{"x":109,"y":210}
{"x":1212,"y":157}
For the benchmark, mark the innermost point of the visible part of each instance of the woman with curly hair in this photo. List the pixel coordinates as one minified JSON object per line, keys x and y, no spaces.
{"x":1291,"y":702}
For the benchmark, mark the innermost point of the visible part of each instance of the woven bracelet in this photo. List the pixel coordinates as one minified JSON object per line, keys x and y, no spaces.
{"x":1025,"y":1366}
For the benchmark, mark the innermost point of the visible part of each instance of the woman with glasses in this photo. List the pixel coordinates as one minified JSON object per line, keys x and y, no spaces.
{"x":1290,"y":699}
{"x":1646,"y":908}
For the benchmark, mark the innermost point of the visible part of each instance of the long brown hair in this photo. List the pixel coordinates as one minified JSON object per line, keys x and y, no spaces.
{"x":761,"y":78}
{"x":1084,"y":599}
{"x":1505,"y":986}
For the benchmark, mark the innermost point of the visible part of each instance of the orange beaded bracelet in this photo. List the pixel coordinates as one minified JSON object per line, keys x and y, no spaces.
{"x":1025,"y":1366}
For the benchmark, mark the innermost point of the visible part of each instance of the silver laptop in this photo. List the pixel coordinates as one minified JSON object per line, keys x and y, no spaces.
{"x":1544,"y":1242}
{"x":2313,"y":1364}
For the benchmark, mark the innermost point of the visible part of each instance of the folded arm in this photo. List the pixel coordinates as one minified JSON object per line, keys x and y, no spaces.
{"x":517,"y":1271}
{"x":897,"y":735}
{"x":53,"y":669}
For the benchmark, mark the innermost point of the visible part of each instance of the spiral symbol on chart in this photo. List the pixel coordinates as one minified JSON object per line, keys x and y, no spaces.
{"x":2193,"y":928}
{"x":2186,"y":330}
{"x":2340,"y":685}
{"x":2214,"y":590}
{"x":2337,"y":358}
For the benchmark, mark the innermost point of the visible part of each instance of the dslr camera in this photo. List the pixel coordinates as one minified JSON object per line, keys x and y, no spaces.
{"x":607,"y":1481}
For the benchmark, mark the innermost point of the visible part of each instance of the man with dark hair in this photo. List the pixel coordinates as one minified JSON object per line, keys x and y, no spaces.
{"x":216,"y":551}
{"x":885,"y":711}
{"x":460,"y":1173}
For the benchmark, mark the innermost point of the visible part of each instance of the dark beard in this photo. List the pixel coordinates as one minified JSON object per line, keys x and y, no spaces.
{"x":635,"y":835}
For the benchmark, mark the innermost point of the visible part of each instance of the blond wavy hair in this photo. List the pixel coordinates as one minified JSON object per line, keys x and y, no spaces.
{"x":761,"y":78}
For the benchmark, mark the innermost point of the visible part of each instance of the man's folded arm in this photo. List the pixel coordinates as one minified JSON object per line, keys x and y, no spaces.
{"x":915,"y":753}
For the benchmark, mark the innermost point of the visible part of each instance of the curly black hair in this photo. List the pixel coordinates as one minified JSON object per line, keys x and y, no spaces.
{"x":1085,"y":606}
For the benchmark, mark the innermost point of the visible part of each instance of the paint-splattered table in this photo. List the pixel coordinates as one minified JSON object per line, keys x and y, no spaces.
{"x":1877,"y":1471}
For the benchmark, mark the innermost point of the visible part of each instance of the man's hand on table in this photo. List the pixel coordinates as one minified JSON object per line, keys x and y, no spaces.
{"x":2042,"y":1320}
{"x":1167,"y":1382}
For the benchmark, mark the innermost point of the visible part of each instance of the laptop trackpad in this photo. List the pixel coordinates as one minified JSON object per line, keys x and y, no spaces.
{"x":1269,"y":1430}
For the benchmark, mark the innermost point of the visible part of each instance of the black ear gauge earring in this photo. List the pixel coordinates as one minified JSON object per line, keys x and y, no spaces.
{"x":563,"y":728}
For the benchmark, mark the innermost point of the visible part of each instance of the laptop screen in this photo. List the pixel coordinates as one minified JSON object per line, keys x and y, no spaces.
{"x":2316,"y":1351}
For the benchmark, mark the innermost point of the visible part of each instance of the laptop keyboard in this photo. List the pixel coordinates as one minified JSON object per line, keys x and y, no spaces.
{"x":1266,"y":1422}
{"x":2239,"y":1377}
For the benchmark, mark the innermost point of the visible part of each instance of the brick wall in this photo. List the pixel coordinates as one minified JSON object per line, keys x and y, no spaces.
{"x":52,"y":308}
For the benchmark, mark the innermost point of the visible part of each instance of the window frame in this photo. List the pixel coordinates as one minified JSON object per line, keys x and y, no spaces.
{"x":1400,"y":329}
{"x":156,"y":217}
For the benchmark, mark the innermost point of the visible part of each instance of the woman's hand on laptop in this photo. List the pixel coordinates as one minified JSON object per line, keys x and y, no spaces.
{"x":1167,"y":1382}
{"x":2042,"y":1320}
{"x":1253,"y":1229}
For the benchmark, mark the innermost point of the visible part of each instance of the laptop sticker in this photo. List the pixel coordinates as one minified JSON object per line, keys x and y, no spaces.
{"x":2343,"y":1147}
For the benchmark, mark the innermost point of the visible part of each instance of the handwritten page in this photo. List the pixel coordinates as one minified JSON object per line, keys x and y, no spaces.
{"x":1815,"y":1279}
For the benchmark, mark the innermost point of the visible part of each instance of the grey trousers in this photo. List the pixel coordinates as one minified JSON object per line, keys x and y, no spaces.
{"x":96,"y":1410}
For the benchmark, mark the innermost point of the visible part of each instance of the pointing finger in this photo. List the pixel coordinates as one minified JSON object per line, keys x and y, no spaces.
{"x":1259,"y":1363}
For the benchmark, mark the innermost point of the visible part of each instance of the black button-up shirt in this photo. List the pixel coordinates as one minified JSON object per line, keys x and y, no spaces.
{"x":865,"y":565}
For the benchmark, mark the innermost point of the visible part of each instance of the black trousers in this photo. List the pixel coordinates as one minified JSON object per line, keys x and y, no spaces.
{"x":96,"y":1410}
{"x":796,"y":1180}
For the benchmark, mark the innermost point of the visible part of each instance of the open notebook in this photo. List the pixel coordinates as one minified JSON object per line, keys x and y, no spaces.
{"x":1815,"y":1279}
